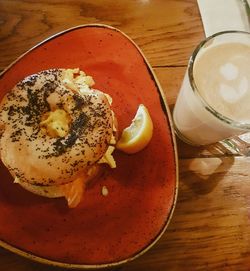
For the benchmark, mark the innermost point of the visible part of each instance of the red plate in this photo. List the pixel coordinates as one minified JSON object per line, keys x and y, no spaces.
{"x":101,"y":231}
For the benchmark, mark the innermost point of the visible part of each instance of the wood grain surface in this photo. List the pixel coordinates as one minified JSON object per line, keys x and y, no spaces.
{"x":210,"y":227}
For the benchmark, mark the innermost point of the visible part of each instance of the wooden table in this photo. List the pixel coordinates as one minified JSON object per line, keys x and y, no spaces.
{"x":210,"y":227}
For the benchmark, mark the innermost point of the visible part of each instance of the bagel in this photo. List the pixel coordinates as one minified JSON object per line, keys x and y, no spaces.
{"x":54,"y":127}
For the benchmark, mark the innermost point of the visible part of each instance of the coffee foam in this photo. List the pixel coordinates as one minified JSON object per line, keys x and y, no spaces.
{"x":222,"y":77}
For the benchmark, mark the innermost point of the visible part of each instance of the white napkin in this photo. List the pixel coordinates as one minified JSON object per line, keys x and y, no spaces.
{"x":221,"y":15}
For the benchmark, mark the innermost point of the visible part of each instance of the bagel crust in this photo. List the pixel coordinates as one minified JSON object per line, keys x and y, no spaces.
{"x":34,"y":156}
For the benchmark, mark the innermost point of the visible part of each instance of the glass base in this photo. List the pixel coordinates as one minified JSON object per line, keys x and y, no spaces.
{"x":183,"y":138}
{"x":233,"y":145}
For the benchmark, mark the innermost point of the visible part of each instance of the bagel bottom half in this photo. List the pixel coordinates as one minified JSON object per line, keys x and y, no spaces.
{"x":73,"y":191}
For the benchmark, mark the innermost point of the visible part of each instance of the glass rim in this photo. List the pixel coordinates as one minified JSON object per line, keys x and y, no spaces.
{"x":207,"y":106}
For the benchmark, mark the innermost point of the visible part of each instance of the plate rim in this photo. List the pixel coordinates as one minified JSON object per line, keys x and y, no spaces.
{"x":165,"y":108}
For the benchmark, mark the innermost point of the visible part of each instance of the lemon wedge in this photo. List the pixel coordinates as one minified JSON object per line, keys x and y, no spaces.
{"x":137,"y":136}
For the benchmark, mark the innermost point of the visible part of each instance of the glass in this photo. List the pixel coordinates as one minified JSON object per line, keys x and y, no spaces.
{"x":215,"y":94}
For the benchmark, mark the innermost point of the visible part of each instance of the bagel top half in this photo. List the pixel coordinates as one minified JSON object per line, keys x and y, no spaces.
{"x":53,"y":127}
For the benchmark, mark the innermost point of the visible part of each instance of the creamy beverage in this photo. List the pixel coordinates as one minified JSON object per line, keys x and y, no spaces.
{"x":214,"y":101}
{"x":222,"y":75}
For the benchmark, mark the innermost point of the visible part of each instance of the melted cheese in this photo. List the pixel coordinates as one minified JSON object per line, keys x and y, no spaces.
{"x":108,"y":157}
{"x":56,"y":123}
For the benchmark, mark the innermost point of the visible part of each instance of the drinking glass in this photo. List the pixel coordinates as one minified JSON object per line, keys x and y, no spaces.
{"x":199,"y":114}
